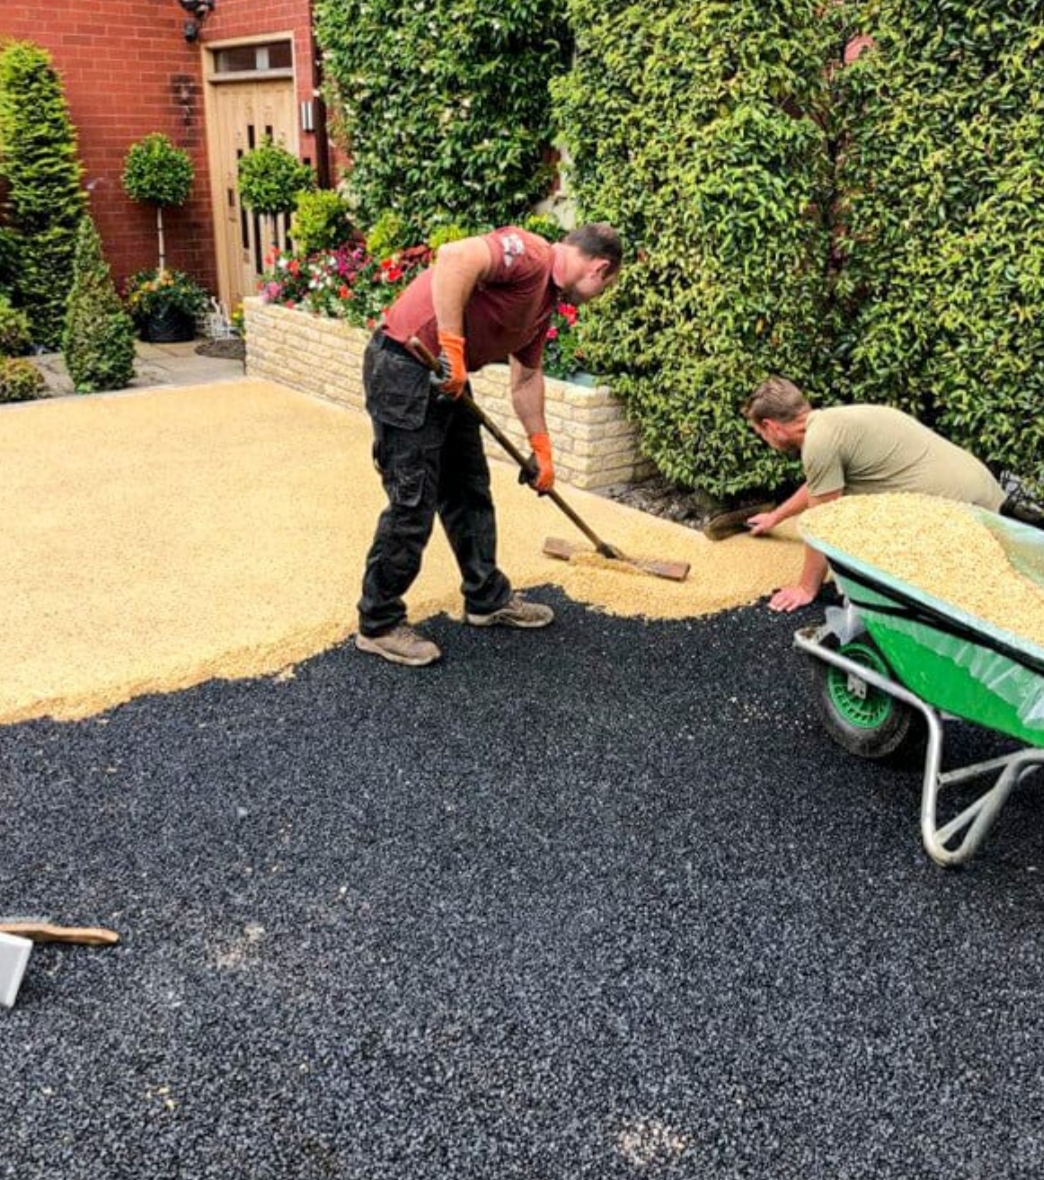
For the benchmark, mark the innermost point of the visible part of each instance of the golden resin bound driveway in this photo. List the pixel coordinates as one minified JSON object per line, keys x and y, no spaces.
{"x":155,"y":539}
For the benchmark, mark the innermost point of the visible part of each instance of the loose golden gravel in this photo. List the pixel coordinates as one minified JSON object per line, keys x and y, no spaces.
{"x":938,"y":546}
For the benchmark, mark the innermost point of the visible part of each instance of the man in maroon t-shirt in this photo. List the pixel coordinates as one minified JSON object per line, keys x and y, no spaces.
{"x":487,"y":298}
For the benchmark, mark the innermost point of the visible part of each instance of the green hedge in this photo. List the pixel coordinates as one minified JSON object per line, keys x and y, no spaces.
{"x":443,"y":106}
{"x":870,"y":229}
{"x":701,"y":132}
{"x":943,"y":171}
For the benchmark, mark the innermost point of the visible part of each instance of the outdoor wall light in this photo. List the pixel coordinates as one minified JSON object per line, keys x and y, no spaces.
{"x":199,"y":9}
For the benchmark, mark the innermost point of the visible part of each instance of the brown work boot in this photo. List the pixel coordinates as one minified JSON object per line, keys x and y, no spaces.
{"x":400,"y":645}
{"x":515,"y":613}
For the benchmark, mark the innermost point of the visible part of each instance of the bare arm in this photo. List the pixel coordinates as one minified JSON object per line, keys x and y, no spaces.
{"x":458,"y":268}
{"x":764,"y":522}
{"x":527,"y":397}
{"x":789,"y":598}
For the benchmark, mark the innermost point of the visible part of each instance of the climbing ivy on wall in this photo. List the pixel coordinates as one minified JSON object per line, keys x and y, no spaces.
{"x":942,"y":286}
{"x":701,"y":131}
{"x":443,"y":106}
{"x":845,"y":192}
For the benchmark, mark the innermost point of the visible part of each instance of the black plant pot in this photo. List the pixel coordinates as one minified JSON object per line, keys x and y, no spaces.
{"x":168,"y":325}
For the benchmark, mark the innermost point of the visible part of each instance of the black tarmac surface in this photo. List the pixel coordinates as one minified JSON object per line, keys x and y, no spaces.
{"x":596,"y":902}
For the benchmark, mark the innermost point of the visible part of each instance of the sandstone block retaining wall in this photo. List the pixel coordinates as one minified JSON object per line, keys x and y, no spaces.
{"x":595,"y":446}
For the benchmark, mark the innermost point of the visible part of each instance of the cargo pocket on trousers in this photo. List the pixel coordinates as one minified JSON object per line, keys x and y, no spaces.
{"x":405,"y":488}
{"x":399,"y":392}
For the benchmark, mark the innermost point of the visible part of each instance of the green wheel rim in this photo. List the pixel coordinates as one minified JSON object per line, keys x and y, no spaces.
{"x":871,"y":710}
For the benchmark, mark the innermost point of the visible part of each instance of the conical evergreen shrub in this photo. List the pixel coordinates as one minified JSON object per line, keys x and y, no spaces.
{"x":43,"y":201}
{"x":98,"y":340}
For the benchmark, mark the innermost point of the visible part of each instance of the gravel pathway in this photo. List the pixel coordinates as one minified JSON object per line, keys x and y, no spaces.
{"x":597,"y":902}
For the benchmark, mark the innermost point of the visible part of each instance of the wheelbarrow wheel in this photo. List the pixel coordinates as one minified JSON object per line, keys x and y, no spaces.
{"x":861,"y":718}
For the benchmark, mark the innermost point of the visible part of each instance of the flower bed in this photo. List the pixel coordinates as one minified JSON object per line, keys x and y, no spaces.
{"x":595,"y":445}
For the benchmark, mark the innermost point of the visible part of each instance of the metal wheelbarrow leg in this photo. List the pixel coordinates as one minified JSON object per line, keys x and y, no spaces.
{"x":970,"y":826}
{"x":977,"y":818}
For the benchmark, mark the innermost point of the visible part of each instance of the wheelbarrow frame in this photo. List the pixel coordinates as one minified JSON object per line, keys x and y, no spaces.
{"x":954,"y":841}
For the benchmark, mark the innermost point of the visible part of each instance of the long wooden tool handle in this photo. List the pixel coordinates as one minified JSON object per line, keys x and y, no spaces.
{"x":47,"y":932}
{"x":416,"y":346}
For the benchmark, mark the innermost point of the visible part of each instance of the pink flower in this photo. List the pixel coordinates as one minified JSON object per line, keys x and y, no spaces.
{"x":552,"y":333}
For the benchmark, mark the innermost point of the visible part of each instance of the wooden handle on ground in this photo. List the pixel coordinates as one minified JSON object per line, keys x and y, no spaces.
{"x":46,"y":932}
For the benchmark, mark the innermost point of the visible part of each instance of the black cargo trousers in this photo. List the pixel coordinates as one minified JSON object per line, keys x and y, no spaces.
{"x":429,"y":453}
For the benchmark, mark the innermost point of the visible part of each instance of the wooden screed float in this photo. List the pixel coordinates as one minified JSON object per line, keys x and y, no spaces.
{"x":675,"y":571}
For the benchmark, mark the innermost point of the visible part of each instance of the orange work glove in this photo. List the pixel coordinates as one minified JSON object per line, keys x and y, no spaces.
{"x":454,"y":366}
{"x":544,"y":477}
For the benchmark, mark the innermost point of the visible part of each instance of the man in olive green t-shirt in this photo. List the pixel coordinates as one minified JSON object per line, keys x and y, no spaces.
{"x":856,"y":450}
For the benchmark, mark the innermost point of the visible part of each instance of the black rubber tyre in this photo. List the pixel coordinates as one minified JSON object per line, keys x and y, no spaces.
{"x":862,"y":719}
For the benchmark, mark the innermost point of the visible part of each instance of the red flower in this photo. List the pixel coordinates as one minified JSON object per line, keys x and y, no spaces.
{"x":552,"y":333}
{"x":343,"y":292}
{"x":568,"y":312}
{"x":393,"y":274}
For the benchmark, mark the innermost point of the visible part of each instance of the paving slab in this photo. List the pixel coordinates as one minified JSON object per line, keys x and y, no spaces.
{"x":156,"y":365}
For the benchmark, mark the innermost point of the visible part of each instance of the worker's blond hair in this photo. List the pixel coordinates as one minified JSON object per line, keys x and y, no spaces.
{"x":775,"y":398}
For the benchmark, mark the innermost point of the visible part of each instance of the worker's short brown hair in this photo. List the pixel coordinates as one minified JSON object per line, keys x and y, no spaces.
{"x":598,"y":239}
{"x":775,"y":398}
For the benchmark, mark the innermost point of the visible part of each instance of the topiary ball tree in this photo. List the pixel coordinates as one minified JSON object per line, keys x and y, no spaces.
{"x":270,"y":179}
{"x":155,"y":172}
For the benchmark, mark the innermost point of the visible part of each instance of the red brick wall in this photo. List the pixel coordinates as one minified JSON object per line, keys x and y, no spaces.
{"x":127,"y":70}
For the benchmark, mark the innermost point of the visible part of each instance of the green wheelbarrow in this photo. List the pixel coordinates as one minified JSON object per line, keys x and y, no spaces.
{"x":894,"y":664}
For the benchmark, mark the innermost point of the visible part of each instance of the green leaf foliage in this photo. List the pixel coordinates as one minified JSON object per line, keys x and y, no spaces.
{"x":20,"y":380}
{"x":444,"y":106}
{"x":98,"y":340}
{"x":387,"y":234}
{"x":15,"y":336}
{"x":869,"y":229}
{"x":701,"y":132}
{"x":943,"y":239}
{"x":321,"y":221}
{"x":846,"y":193}
{"x":156,"y":172}
{"x":151,"y":293}
{"x":40,"y":175}
{"x":270,"y":179}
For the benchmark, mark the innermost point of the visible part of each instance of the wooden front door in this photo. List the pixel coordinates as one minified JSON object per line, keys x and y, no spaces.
{"x":240,"y":115}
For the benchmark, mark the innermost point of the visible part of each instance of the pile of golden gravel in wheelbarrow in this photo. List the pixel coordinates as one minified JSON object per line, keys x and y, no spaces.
{"x":938,"y":546}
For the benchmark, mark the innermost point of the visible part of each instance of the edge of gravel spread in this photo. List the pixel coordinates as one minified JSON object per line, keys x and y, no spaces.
{"x":938,"y":546}
{"x":159,"y":538}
